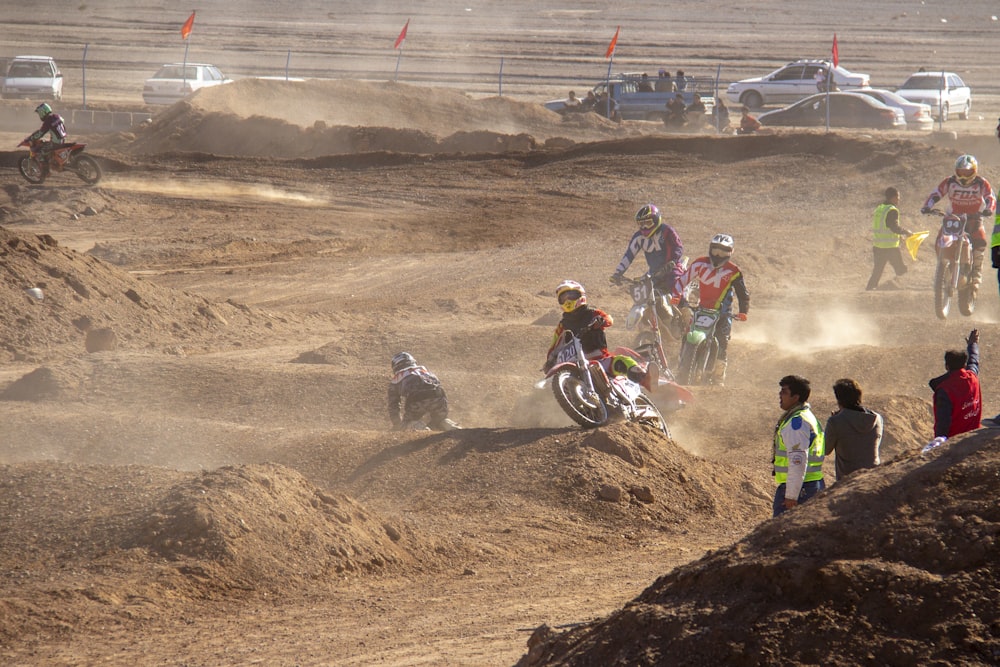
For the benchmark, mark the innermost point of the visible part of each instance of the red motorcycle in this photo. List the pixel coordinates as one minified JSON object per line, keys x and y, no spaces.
{"x":36,"y":165}
{"x":953,"y":247}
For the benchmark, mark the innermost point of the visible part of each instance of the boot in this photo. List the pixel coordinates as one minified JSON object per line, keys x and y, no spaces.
{"x":976,"y":271}
{"x":719,"y":373}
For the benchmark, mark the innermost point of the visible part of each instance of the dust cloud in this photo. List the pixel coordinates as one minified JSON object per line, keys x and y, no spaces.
{"x":810,"y":330}
{"x":208,"y":189}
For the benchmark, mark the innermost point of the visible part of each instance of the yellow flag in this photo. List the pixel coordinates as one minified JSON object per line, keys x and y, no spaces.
{"x":912,"y":243}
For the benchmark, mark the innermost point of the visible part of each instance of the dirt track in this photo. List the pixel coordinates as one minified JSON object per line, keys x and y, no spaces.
{"x":223,"y":489}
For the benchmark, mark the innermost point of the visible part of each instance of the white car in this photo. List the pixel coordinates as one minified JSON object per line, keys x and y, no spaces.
{"x":918,"y":116}
{"x":945,"y":92}
{"x":176,"y":81}
{"x":33,"y":77}
{"x":790,"y":83}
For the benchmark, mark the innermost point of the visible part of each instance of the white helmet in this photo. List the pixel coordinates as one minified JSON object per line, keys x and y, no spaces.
{"x":571,"y":295}
{"x":720,"y":249}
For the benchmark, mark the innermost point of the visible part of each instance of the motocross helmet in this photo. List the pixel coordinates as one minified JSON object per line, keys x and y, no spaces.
{"x":571,"y":295}
{"x":43,"y":110}
{"x":402,"y":361}
{"x":966,"y":167}
{"x":720,"y":249}
{"x":649,"y":220}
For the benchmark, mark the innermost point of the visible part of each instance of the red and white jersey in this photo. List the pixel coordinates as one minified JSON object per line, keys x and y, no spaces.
{"x":715,"y":284}
{"x":972,"y":198}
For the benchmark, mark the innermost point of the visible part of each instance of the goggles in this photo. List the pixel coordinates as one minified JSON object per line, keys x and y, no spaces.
{"x":569,"y":295}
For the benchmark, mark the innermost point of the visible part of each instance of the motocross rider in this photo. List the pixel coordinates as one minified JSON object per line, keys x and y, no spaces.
{"x":588,"y":324}
{"x":663,"y":249}
{"x":52,"y":123}
{"x":971,"y":194}
{"x":718,"y":279}
{"x":421,"y":393}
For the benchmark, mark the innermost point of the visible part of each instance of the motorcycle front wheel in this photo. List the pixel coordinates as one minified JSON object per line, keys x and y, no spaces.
{"x":942,"y":288}
{"x":692,"y":364}
{"x":571,"y":393}
{"x":648,"y":414}
{"x":32,"y":171}
{"x":87,"y":169}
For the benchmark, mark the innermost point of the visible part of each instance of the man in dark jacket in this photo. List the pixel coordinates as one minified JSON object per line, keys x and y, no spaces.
{"x":420,"y":394}
{"x":853,"y":431}
{"x":958,"y":403}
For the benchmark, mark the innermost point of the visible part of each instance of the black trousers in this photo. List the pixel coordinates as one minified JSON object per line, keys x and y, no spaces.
{"x":885,"y":256}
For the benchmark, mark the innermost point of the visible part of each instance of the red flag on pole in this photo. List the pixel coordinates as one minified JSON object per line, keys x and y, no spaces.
{"x":836,"y":52}
{"x":614,"y":42}
{"x":402,"y":35}
{"x":186,"y":28}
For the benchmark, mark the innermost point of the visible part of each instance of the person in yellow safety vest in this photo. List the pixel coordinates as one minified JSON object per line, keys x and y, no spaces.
{"x":798,"y":447}
{"x":886,"y":233}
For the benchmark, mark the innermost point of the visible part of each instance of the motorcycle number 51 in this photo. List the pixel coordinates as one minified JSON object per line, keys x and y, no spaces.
{"x":639,"y":292}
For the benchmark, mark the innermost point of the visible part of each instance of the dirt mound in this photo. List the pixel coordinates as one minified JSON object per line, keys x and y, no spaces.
{"x":80,"y":294}
{"x":625,"y":477}
{"x":163,"y":536}
{"x":255,"y":117}
{"x":893,"y":566}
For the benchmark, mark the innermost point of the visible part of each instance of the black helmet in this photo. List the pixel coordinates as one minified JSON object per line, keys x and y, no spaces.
{"x":402,"y":361}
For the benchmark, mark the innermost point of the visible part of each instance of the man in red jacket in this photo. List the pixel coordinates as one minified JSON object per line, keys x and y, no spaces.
{"x":958,"y":404}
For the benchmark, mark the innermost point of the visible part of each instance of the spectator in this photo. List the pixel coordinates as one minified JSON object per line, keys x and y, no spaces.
{"x":676,"y":112}
{"x":680,"y":80}
{"x":720,"y":115}
{"x":572,"y":102}
{"x":958,"y":404}
{"x":998,"y":128}
{"x":663,"y":83}
{"x":589,"y":103}
{"x":886,"y":233}
{"x":697,"y":108}
{"x":798,"y":447}
{"x":645,"y":85}
{"x":820,"y":78}
{"x":853,"y":431}
{"x":748,"y":124}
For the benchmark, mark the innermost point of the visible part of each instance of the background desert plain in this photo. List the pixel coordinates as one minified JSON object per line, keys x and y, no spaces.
{"x":222,"y":487}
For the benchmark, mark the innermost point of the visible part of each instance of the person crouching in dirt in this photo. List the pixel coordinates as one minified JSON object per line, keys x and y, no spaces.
{"x":421,"y":395}
{"x":588,"y":324}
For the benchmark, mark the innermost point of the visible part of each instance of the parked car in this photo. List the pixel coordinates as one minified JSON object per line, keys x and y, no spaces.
{"x":918,"y":116}
{"x":790,"y":83}
{"x":945,"y":92}
{"x":846,"y":110}
{"x":33,"y":77}
{"x":176,"y":81}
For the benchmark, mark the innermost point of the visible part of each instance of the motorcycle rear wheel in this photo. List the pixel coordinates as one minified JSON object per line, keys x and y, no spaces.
{"x":942,"y":288}
{"x":32,"y":171}
{"x":88,"y":169}
{"x":652,"y":416}
{"x":570,"y":392}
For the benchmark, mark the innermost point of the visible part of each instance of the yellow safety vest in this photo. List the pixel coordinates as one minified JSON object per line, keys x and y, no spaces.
{"x":817,"y":448}
{"x":883,"y":236}
{"x":995,"y":241}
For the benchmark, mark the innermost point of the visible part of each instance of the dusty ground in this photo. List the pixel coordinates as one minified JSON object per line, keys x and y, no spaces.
{"x":222,"y":488}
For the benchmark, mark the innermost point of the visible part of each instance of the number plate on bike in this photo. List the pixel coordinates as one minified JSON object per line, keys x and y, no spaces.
{"x":640,"y":292}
